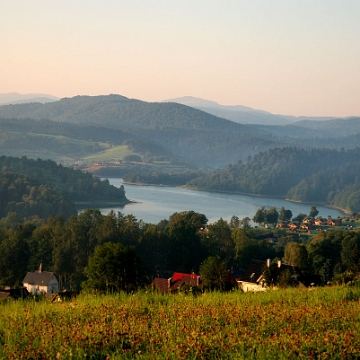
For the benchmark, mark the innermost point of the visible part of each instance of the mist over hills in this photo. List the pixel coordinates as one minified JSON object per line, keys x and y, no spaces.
{"x":175,"y":130}
{"x":239,"y":114}
{"x":242,"y":114}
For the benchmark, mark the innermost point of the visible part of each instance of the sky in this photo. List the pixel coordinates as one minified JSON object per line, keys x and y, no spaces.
{"x":290,"y":57}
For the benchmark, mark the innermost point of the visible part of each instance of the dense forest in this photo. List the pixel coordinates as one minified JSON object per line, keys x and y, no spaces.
{"x":41,"y":188}
{"x":317,"y":175}
{"x":173,"y":178}
{"x":27,"y":198}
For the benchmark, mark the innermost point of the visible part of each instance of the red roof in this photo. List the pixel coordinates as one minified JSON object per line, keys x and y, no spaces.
{"x":179,"y":276}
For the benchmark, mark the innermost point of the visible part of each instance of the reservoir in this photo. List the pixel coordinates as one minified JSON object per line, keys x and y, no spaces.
{"x":155,"y":203}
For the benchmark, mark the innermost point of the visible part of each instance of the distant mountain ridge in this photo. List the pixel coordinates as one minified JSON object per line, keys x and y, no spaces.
{"x":16,"y":98}
{"x":241,"y":114}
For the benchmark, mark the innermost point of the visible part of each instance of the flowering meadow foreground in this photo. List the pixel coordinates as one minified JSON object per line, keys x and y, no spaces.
{"x":286,"y":324}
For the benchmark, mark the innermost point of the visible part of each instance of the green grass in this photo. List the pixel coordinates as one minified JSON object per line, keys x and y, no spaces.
{"x":284,"y":324}
{"x":113,"y":154}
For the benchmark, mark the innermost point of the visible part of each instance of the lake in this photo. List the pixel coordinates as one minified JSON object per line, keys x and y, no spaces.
{"x":155,"y":203}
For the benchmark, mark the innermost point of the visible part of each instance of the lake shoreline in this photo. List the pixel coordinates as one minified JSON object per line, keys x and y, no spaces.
{"x":155,"y":203}
{"x":240,"y":193}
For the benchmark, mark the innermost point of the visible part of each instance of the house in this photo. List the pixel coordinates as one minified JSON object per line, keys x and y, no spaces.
{"x":307,"y":226}
{"x":175,"y":282}
{"x":336,"y":222}
{"x":309,"y":220}
{"x":282,"y":224}
{"x":41,"y":282}
{"x":253,"y":278}
{"x":293,"y":226}
{"x":321,"y":221}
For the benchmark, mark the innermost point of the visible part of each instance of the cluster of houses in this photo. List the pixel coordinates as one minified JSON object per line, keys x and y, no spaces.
{"x":252,"y":279}
{"x":308,"y":223}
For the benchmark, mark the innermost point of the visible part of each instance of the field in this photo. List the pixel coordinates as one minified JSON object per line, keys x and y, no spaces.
{"x":288,"y":324}
{"x":111,"y":154}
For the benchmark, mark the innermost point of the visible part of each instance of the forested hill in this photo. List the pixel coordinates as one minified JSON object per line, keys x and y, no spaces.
{"x":119,"y":112}
{"x":73,"y":185}
{"x":322,"y":175}
{"x":173,"y":130}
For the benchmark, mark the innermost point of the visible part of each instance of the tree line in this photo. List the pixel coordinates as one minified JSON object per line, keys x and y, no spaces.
{"x":90,"y":248}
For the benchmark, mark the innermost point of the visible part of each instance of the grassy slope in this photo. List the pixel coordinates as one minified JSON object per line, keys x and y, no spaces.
{"x":80,"y":148}
{"x":114,"y":153}
{"x":284,"y":324}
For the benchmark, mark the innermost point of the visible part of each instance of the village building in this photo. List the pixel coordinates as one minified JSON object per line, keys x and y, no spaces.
{"x":175,"y":282}
{"x":253,"y":277}
{"x":41,"y":282}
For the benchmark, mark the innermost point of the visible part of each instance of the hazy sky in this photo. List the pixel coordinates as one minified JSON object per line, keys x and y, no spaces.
{"x":295,"y":57}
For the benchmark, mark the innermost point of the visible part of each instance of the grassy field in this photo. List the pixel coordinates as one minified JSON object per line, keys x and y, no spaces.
{"x":322,"y":323}
{"x":64,"y":149}
{"x":115,"y":153}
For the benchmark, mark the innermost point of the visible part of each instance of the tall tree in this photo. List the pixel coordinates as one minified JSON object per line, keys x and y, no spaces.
{"x":259,"y":216}
{"x":271,"y":216}
{"x":213,"y":273}
{"x":285,"y":215}
{"x":296,"y":254}
{"x":113,"y":267}
{"x":314,"y":211}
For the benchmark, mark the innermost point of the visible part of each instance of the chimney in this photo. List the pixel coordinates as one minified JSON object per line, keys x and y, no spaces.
{"x":279,"y":263}
{"x":268,"y":262}
{"x":40,"y":268}
{"x":169,"y":282}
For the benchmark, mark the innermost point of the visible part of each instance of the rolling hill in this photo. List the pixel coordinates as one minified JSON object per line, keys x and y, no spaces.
{"x":168,"y":130}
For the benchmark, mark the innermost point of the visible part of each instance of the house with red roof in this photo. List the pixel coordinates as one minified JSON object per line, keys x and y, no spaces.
{"x":175,"y":282}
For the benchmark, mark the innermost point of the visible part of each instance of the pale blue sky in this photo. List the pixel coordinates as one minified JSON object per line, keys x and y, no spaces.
{"x":283,"y":56}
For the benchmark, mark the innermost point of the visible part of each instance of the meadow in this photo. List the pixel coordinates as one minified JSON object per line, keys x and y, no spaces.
{"x":322,"y":323}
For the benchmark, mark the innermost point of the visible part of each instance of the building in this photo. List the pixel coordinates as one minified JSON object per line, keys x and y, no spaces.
{"x":41,"y":282}
{"x":175,"y":282}
{"x":253,"y":278}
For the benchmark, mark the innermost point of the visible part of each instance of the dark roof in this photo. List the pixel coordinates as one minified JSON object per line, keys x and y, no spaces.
{"x":38,"y":278}
{"x":256,"y":269}
{"x":237,"y":273}
{"x":253,"y":271}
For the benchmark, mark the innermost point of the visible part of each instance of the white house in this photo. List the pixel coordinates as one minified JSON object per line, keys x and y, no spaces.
{"x":41,"y":282}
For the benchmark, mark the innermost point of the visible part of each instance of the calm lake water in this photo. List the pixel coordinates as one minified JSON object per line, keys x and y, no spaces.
{"x":154,"y":203}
